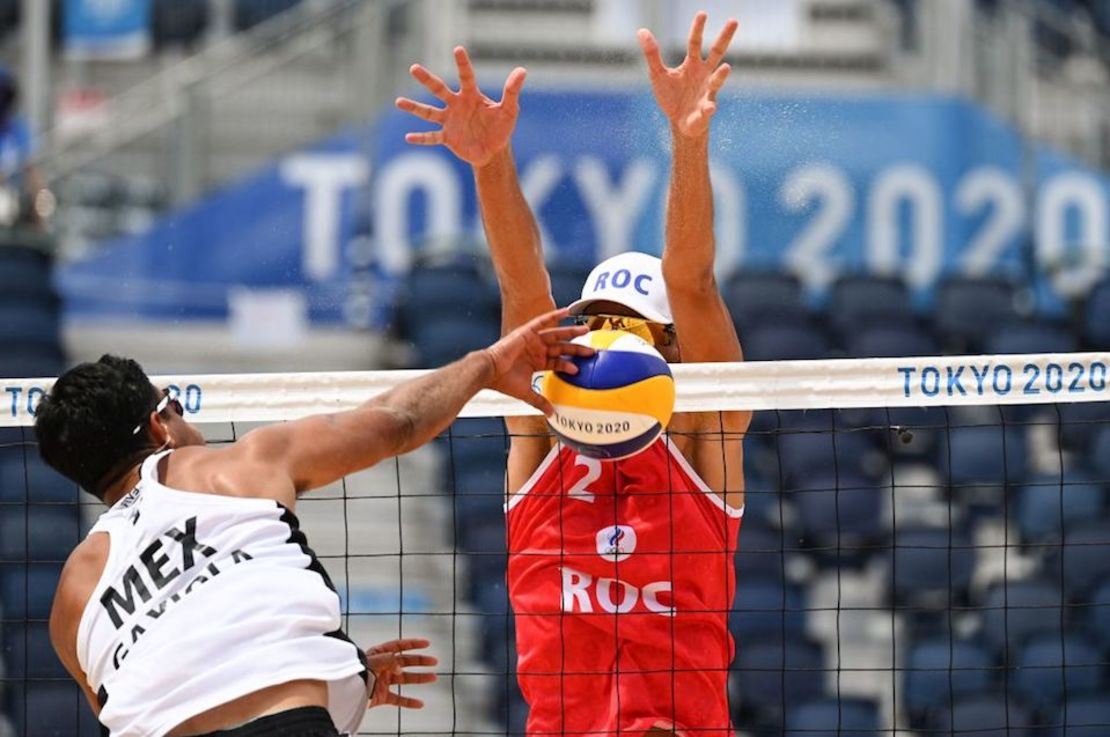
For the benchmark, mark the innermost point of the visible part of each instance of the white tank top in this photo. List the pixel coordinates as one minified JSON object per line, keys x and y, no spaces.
{"x":205,"y":599}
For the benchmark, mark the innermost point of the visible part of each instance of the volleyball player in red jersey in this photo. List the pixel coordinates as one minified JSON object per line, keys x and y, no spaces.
{"x":620,"y":573}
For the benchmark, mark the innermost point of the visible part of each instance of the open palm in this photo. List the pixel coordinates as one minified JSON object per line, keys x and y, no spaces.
{"x":473,"y":126}
{"x":687,"y":94}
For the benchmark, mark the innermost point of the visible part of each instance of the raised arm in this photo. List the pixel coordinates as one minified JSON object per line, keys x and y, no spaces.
{"x":478,"y":130}
{"x":318,"y":450}
{"x":687,"y":94}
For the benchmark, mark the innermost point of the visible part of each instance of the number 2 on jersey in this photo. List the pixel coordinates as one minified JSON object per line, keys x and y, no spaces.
{"x":593,"y":473}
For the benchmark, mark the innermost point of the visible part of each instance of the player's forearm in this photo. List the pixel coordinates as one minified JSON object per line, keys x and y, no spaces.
{"x":514,"y":237}
{"x":690,"y":247}
{"x":423,"y":408}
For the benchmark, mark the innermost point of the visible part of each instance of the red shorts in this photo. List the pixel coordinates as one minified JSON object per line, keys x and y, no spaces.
{"x":600,"y":685}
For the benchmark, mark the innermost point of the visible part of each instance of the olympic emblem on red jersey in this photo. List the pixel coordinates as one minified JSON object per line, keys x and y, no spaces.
{"x":616,"y":542}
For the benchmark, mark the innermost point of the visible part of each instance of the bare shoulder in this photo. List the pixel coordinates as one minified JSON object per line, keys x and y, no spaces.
{"x":236,"y":469}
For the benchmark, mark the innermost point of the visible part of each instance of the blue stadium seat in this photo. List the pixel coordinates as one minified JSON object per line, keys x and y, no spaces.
{"x":1088,"y":716}
{"x":756,"y":298}
{"x":449,"y":338}
{"x":1099,"y":451}
{"x":760,"y":552}
{"x":25,"y":274}
{"x":473,"y":439}
{"x":861,"y":301}
{"x":26,"y":651}
{"x":1098,"y":614}
{"x":839,"y":512}
{"x":26,"y":477}
{"x":1051,"y":668}
{"x":178,"y":21}
{"x":776,"y":677}
{"x":1079,"y":421}
{"x":433,"y":292}
{"x":982,"y":455}
{"x":969,"y":309}
{"x":249,"y":13}
{"x":1048,"y":503}
{"x":1096,"y":327}
{"x":762,"y":501}
{"x":829,"y":717}
{"x":1015,"y":611}
{"x":986,"y":716}
{"x":939,"y":668}
{"x":795,"y":341}
{"x":890,"y":342}
{"x":1030,"y":337}
{"x":43,"y":533}
{"x":28,"y":324}
{"x":31,"y":362}
{"x":27,"y":590}
{"x":51,"y":709}
{"x":567,"y":280}
{"x":767,"y":610}
{"x":496,"y":627}
{"x":1086,"y":558}
{"x":803,"y":454}
{"x":931,"y":566}
{"x":487,"y":555}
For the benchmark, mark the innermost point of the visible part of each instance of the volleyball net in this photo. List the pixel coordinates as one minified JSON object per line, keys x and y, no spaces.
{"x":925,"y":547}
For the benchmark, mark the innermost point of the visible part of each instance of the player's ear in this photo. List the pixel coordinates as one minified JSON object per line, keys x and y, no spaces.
{"x":160,"y":431}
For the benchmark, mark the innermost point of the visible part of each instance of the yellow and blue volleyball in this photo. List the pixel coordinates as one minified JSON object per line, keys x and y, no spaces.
{"x":618,"y":403}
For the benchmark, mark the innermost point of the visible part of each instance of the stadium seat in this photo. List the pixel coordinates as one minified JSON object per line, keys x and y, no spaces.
{"x":178,"y":21}
{"x":756,"y":298}
{"x":986,"y":716}
{"x":446,"y":339}
{"x":454,"y":289}
{"x":487,"y":557}
{"x":862,"y":301}
{"x":1099,"y":451}
{"x":763,"y":504}
{"x":796,"y":341}
{"x":1030,"y":337}
{"x":1049,"y":503}
{"x":27,"y":590}
{"x":43,"y":533}
{"x":567,"y":280}
{"x":1096,"y":328}
{"x":1086,"y":558}
{"x":803,"y":454}
{"x":939,"y":668}
{"x":839,"y":512}
{"x":26,"y":650}
{"x":776,"y":677}
{"x":829,"y":717}
{"x":51,"y":709}
{"x":1088,"y":716}
{"x":496,"y":627}
{"x":982,"y":455}
{"x":249,"y":13}
{"x":26,"y":477}
{"x":28,"y":324}
{"x":31,"y":362}
{"x":767,"y":610}
{"x":1015,"y":611}
{"x":1098,"y":614}
{"x":968,"y":309}
{"x":1038,"y":678}
{"x":1079,"y":422}
{"x":25,"y":273}
{"x":473,"y":439}
{"x":760,"y":553}
{"x":890,"y":342}
{"x":931,"y":566}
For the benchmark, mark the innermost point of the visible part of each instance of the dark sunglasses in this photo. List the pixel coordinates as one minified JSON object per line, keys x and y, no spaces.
{"x":165,"y":401}
{"x":656,"y":333}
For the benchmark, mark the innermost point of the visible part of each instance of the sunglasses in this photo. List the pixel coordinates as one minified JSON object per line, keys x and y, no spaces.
{"x":165,"y":401}
{"x":656,"y":333}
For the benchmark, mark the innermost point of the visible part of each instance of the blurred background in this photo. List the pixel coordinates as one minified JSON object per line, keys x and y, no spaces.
{"x":223,"y":185}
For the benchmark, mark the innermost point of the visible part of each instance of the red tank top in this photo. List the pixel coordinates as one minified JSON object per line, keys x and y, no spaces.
{"x":640,"y":550}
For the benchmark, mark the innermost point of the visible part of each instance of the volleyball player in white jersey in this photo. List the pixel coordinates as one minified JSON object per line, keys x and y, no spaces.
{"x":194,"y":606}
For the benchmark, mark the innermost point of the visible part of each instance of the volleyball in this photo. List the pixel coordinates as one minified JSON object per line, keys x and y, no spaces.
{"x":618,"y":403}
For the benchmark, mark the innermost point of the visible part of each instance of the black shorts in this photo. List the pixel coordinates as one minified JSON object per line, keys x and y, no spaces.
{"x":307,"y":721}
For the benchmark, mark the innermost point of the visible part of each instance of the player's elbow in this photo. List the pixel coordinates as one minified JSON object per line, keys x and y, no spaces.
{"x":690,"y":279}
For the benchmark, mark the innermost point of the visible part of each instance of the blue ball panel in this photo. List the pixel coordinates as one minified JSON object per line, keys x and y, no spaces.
{"x":609,"y":369}
{"x":615,"y":451}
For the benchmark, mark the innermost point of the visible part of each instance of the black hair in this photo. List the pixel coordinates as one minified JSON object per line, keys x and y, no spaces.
{"x":85,"y":425}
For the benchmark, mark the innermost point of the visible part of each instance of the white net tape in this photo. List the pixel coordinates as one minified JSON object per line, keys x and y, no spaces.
{"x":769,"y":385}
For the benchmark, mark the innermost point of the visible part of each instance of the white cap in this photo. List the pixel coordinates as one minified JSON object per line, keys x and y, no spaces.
{"x":632,"y":279}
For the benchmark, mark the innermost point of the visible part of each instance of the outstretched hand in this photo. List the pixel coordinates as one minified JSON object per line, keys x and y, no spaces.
{"x":474,"y":127}
{"x":389,"y":663}
{"x":537,"y":345}
{"x":687,"y":94}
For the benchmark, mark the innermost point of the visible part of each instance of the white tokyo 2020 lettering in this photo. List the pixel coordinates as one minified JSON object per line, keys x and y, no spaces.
{"x":581,"y":592}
